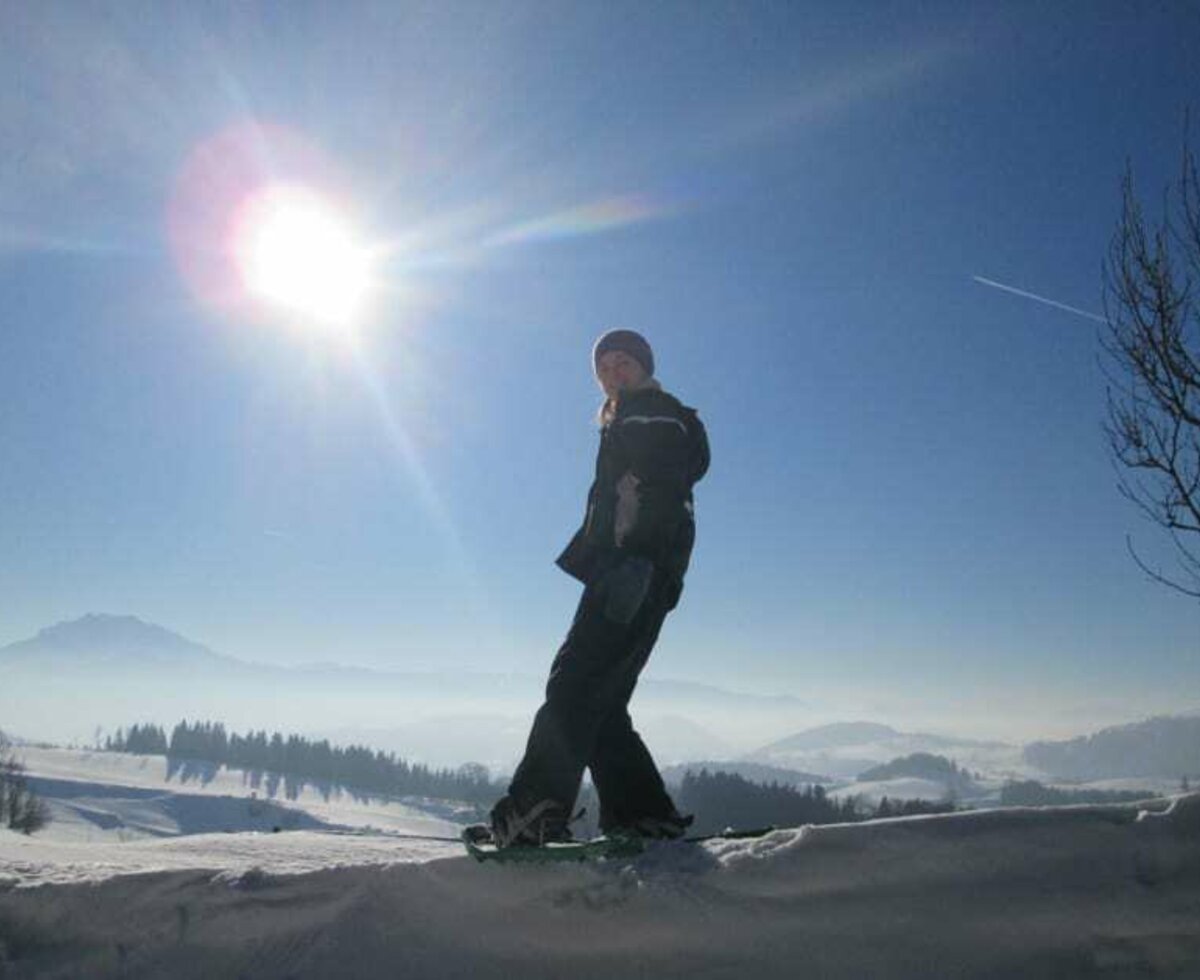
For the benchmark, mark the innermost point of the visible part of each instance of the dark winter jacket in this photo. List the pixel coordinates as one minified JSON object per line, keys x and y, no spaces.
{"x":651,"y":453}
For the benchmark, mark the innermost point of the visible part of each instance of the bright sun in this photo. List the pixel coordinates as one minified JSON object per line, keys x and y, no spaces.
{"x":298,"y":252}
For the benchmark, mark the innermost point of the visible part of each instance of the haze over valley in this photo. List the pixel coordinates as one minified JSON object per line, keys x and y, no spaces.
{"x":78,"y":682}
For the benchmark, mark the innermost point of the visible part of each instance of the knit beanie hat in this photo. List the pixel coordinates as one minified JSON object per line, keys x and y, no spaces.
{"x":629,"y":341}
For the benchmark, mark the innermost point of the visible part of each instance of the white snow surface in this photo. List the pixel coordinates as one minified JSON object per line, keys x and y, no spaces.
{"x":1088,"y":891}
{"x":93,"y":796}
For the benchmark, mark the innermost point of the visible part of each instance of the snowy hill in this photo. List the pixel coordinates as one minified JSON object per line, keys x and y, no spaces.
{"x":1165,"y":747}
{"x":846,"y":749}
{"x":1054,"y":893}
{"x":836,"y":735}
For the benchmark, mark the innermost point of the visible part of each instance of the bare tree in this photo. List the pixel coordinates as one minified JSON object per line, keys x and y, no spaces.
{"x":20,"y":808}
{"x":1152,"y":346}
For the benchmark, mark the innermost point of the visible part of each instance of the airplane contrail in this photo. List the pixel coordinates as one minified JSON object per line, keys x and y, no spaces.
{"x":1041,"y":299}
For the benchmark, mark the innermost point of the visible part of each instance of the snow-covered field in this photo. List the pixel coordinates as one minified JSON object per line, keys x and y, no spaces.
{"x":98,"y":796}
{"x":1069,"y":892}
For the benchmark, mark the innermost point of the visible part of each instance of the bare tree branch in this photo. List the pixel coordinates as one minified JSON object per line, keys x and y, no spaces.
{"x":1151,"y":347}
{"x":1157,"y":576}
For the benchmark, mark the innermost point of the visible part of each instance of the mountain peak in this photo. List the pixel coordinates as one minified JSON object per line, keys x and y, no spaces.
{"x":838,"y":734}
{"x":106,"y":627}
{"x":105,"y":634}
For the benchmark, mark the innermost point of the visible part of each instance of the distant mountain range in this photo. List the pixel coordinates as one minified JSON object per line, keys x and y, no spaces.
{"x":109,"y":639}
{"x":101,"y":671}
{"x":839,"y":735}
{"x":1168,"y":747}
{"x":844,"y":750}
{"x":100,"y":639}
{"x":849,"y":734}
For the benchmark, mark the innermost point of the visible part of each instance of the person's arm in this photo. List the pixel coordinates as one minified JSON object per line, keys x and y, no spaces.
{"x":658,"y":448}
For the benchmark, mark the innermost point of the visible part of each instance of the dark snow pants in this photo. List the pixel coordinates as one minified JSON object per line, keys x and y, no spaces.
{"x":585,"y":723}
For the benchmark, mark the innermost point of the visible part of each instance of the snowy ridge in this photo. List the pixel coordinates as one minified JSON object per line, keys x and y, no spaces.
{"x":1068,"y":892}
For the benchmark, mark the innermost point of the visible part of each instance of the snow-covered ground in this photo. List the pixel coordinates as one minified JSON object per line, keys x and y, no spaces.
{"x":1084,"y":892}
{"x":95,"y":796}
{"x":1090,"y":891}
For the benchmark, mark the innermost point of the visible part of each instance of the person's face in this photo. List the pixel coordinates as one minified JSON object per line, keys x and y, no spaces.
{"x":617,"y":371}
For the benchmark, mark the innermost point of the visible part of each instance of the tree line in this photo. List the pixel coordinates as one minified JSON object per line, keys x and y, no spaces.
{"x":717,"y":799}
{"x":300,"y":761}
{"x":721,"y":799}
{"x":1030,"y":792}
{"x":1166,"y":746}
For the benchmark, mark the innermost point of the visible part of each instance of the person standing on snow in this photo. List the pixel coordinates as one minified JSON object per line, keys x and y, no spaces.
{"x":631,"y":554}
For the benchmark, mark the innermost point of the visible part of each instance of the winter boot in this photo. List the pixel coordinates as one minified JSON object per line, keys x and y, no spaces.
{"x":542,"y":823}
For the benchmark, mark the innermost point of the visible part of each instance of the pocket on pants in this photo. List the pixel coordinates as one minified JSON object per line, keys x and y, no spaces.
{"x":626,"y":588}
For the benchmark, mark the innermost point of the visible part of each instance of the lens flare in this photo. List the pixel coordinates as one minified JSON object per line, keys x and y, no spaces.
{"x":584,"y":219}
{"x":259,"y":221}
{"x":296,"y":251}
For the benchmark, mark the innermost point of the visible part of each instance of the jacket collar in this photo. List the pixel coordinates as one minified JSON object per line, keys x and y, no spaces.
{"x":649,"y":386}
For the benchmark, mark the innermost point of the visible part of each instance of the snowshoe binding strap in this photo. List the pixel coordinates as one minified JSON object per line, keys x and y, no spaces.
{"x":517,"y":828}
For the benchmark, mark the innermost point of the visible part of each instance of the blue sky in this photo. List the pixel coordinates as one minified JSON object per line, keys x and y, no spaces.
{"x":910,"y":502}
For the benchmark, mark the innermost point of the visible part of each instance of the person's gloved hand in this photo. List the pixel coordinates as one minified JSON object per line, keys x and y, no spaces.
{"x":626,"y":587}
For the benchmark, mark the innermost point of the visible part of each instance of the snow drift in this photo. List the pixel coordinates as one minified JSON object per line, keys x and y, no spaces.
{"x":1093,"y":891}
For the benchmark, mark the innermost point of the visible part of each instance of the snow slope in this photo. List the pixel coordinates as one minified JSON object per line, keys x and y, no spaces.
{"x":93,"y":796}
{"x":1069,"y":892}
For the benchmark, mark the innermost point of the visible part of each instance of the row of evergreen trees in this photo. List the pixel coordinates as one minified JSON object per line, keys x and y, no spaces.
{"x":140,"y":740}
{"x":1029,"y":792}
{"x":721,"y":799}
{"x":718,"y":799}
{"x":303,"y":760}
